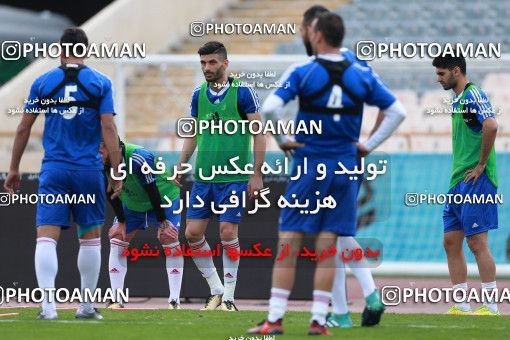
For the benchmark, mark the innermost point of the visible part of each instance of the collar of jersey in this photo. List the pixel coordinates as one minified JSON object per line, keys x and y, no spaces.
{"x":72,"y":65}
{"x":222,"y":91}
{"x":457,"y":98}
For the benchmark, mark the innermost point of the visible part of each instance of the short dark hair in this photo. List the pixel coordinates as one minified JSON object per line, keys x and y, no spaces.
{"x":450,"y":62}
{"x":73,"y":36}
{"x":213,"y":47}
{"x":332,"y":28}
{"x":312,"y":12}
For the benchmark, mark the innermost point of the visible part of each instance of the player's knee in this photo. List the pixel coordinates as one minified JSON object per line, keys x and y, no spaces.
{"x":228,"y":231}
{"x":94,"y":233}
{"x":451,"y":245}
{"x":49,"y":231}
{"x":193,"y":235}
{"x":476,"y":245}
{"x":447,"y":244}
{"x":287,"y":261}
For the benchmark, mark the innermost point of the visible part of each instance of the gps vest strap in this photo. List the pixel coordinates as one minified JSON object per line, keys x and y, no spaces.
{"x":71,"y":76}
{"x":468,"y":116}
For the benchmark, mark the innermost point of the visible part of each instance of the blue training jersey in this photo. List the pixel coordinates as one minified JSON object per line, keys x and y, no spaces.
{"x":339,"y":131}
{"x":72,"y":135}
{"x":349,"y":55}
{"x":476,"y":101}
{"x":138,"y":158}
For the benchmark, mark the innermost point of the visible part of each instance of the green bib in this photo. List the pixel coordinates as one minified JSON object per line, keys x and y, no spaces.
{"x":133,"y":194}
{"x":216,"y":149}
{"x":466,"y":147}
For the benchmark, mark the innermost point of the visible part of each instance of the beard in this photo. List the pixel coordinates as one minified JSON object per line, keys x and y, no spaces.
{"x":450,"y":84}
{"x":447,"y":87}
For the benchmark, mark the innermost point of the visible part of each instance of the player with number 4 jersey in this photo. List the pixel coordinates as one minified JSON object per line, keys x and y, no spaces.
{"x":332,"y":91}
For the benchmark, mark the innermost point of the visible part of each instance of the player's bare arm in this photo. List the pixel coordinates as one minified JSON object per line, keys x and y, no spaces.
{"x":13,"y":180}
{"x":378,"y":121}
{"x":118,"y":229}
{"x":111,"y":141}
{"x":259,"y":154}
{"x":489,"y":131}
{"x":188,"y":148}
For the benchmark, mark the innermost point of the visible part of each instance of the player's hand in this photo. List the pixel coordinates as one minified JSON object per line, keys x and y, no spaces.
{"x":177,"y":181}
{"x":109,"y":185}
{"x":289,"y":146}
{"x":167,"y":232}
{"x":255,"y":184}
{"x":362,"y":150}
{"x":116,"y":187}
{"x":473,"y":174}
{"x":119,"y":228}
{"x":12,"y":182}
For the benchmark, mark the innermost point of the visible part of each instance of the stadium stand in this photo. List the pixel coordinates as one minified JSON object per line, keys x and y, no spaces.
{"x":168,"y":87}
{"x":417,"y":90}
{"x":164,"y":24}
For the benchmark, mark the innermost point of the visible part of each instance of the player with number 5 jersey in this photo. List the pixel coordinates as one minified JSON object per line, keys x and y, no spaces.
{"x":78,"y":104}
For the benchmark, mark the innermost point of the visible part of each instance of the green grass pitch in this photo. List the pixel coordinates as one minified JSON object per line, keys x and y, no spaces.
{"x":187,"y":324}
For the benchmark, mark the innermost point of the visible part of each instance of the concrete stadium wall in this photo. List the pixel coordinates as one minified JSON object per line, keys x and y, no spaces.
{"x":146,"y":276}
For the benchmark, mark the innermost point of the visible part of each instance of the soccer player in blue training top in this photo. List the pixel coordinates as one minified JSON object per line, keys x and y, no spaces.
{"x":331,"y":89}
{"x":137,"y":207}
{"x":78,"y":104}
{"x":340,"y":316}
{"x":474,"y":131}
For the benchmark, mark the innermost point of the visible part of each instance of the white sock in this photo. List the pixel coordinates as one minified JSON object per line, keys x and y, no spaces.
{"x":464,"y":305}
{"x":320,"y":306}
{"x":174,"y":270}
{"x":278,"y":304}
{"x":89,"y":264}
{"x":230,"y":269}
{"x":46,"y":267}
{"x":206,"y":267}
{"x":360,"y":269}
{"x":491,"y":304}
{"x":215,"y":284}
{"x":117,"y":264}
{"x":339,"y":296}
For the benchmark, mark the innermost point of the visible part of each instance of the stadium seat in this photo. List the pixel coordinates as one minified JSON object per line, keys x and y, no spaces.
{"x":410,"y":10}
{"x":395,"y":144}
{"x":496,"y":80}
{"x":409,"y":98}
{"x":434,"y":145}
{"x":502,"y":144}
{"x":501,"y":103}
